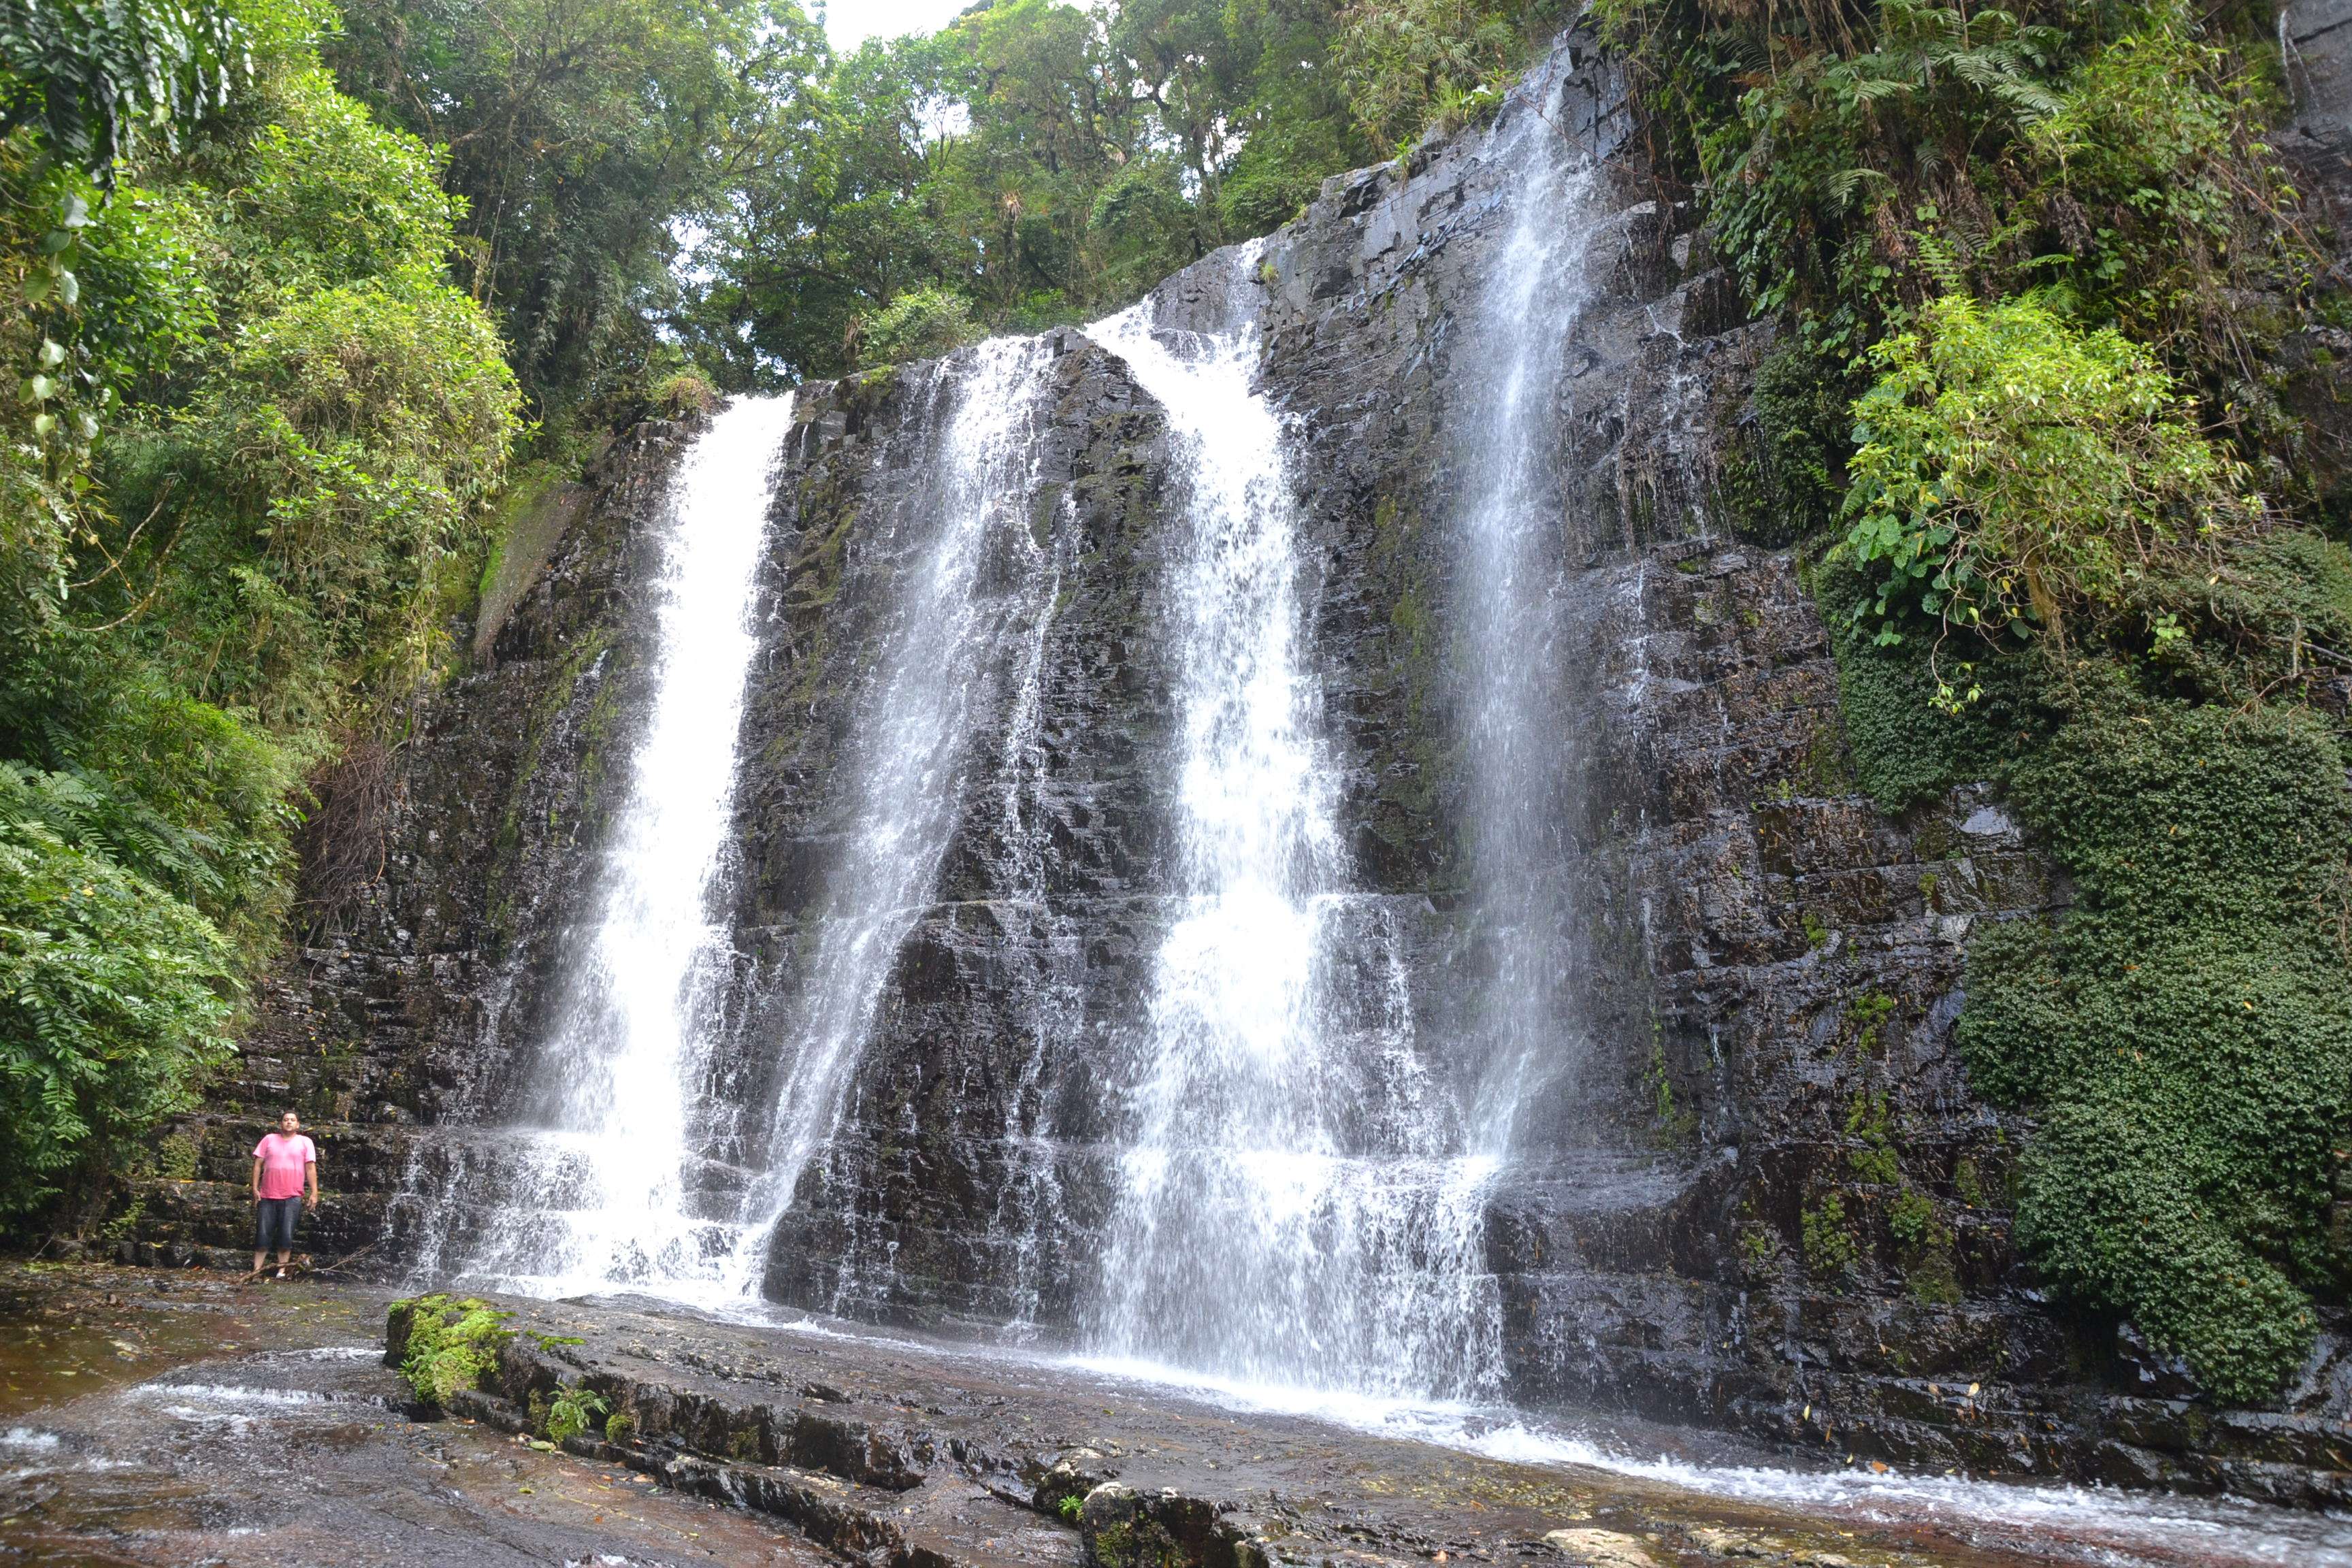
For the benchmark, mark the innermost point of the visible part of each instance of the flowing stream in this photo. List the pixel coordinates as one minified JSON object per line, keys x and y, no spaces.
{"x":1520,"y":623}
{"x":951,"y":627}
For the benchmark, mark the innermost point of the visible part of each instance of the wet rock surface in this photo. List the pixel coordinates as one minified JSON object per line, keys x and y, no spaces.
{"x":206,"y":1421}
{"x":171,"y":1419}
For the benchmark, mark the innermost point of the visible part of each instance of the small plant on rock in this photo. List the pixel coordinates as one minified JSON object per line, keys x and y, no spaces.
{"x":1875,"y":1161}
{"x":574,"y":1410}
{"x":684,"y":392}
{"x":452,"y":1345}
{"x":1829,"y":1249}
{"x":1911,"y":1216}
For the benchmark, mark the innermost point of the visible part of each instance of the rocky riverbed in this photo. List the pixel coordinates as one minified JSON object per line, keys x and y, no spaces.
{"x":151,"y":1416}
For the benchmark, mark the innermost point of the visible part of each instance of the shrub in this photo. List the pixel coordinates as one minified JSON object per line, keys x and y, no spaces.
{"x":332,"y":197}
{"x":2012,"y":470}
{"x":113,"y":991}
{"x":684,"y":392}
{"x":921,"y":323}
{"x":354,"y":439}
{"x":573,"y":1411}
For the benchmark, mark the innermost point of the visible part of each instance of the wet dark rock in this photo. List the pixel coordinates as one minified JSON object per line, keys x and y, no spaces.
{"x":1003,"y":1449}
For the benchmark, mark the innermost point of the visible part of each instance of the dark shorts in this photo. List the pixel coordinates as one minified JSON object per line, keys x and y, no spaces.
{"x":273,"y":1223}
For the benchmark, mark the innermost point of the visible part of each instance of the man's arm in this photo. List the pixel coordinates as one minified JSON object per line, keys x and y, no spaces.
{"x":257,"y":1175}
{"x":311,"y":1169}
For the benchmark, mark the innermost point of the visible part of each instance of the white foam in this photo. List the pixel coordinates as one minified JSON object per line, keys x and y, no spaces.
{"x":239,"y":1394}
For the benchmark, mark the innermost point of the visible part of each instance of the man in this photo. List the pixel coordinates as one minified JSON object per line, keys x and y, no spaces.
{"x":284,"y":1163}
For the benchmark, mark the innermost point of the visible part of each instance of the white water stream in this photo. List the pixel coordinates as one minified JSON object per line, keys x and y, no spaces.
{"x":604,"y":1182}
{"x":1518,"y":630}
{"x":1294,"y":1204}
{"x":934,"y":657}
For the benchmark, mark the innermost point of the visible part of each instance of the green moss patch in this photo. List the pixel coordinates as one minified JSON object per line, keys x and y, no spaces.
{"x":2182,"y":1035}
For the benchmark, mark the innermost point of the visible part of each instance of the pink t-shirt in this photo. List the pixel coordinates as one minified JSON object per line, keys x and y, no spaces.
{"x":283,"y":1163}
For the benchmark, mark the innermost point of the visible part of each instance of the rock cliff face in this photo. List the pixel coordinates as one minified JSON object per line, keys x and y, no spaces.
{"x":1707,"y":1222}
{"x":405,"y":1008}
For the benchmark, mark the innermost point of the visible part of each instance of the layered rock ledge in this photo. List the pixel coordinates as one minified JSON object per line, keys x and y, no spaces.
{"x":898,"y":1452}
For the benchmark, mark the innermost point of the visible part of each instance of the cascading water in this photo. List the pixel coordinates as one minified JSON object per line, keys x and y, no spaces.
{"x":1292,"y":1206}
{"x":1300,"y":1186}
{"x":609,"y":1192}
{"x":1520,"y":623}
{"x":957,"y":615}
{"x":599,"y":1188}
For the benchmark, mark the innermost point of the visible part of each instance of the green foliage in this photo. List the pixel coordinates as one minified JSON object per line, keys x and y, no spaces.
{"x":452,"y":1345}
{"x":2185,"y":1035}
{"x":1967,"y":1182}
{"x":1040,"y":160}
{"x":1905,"y":749}
{"x":921,"y":323}
{"x":574,"y":1410}
{"x":112,"y":991}
{"x":582,"y":135}
{"x":1911,"y":1216}
{"x":1410,"y":63}
{"x":329,"y":196}
{"x":1868,"y":1015}
{"x":1781,"y":480}
{"x":93,"y":74}
{"x":2012,"y":470}
{"x":255,"y":428}
{"x":1044,"y":162}
{"x":684,"y":392}
{"x":1868,"y":1120}
{"x":1672,"y":1123}
{"x":1859,"y":161}
{"x":354,"y":434}
{"x":1072,"y":1508}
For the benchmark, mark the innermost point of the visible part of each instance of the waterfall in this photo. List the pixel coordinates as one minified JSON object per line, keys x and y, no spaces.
{"x":953,"y":619}
{"x":1299,"y":1169}
{"x":1292,"y":1206}
{"x":1522,"y":626}
{"x":599,"y":1190}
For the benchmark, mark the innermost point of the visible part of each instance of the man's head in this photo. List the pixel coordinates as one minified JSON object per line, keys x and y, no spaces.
{"x":289,"y":1123}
